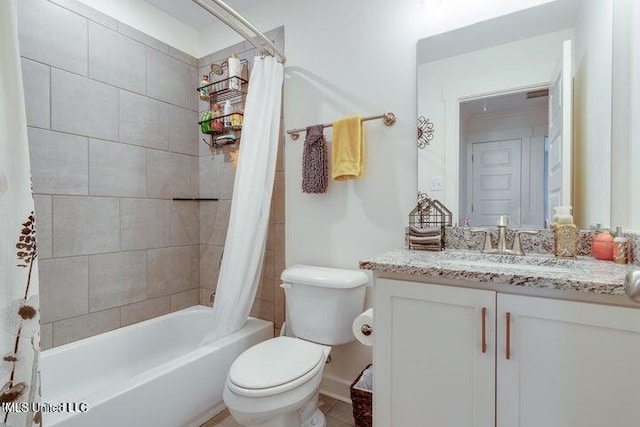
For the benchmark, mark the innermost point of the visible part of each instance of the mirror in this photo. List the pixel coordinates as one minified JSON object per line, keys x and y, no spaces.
{"x":520,"y":112}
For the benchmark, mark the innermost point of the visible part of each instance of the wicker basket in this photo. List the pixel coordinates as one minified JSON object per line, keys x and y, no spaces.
{"x":362,"y":404}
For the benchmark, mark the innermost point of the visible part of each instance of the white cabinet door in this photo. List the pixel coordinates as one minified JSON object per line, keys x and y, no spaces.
{"x":570,"y":364}
{"x":431,"y":368}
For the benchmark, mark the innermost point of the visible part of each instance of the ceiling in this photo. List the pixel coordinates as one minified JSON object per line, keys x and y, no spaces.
{"x":193,"y":15}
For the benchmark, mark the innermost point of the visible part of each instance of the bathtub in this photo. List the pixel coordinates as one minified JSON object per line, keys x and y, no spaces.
{"x":152,"y":373}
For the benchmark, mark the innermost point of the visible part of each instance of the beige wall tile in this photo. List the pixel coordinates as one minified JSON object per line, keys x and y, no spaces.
{"x":59,"y":162}
{"x":266,"y":290}
{"x":278,"y":198}
{"x":185,"y":299}
{"x":227,"y":177}
{"x":139,"y":311}
{"x":65,"y":44}
{"x":64,"y":288}
{"x":263,"y":310}
{"x":210,"y":257}
{"x":185,"y":218}
{"x":208,"y":217}
{"x":46,"y":336}
{"x":117,"y":169}
{"x":184,"y":131}
{"x":271,"y":243}
{"x":85,"y":225}
{"x":195,"y":266}
{"x":117,"y":279}
{"x":146,"y":223}
{"x":280,"y":159}
{"x":195,"y":174}
{"x":222,"y":222}
{"x":168,"y":174}
{"x":209,"y":173}
{"x":279,"y":305}
{"x":205,"y":297}
{"x":44,"y":225}
{"x":77,"y":328}
{"x":143,"y":121}
{"x":73,"y":111}
{"x":279,"y":252}
{"x":169,"y":271}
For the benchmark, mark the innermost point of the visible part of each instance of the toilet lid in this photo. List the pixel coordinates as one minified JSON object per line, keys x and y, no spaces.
{"x":275,"y":362}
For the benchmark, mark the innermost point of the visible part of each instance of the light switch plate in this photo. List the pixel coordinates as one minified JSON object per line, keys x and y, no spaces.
{"x":436,"y":183}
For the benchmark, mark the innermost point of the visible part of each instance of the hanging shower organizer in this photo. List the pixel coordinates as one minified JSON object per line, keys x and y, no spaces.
{"x":224,"y":128}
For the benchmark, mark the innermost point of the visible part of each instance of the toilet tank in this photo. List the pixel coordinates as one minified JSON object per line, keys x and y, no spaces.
{"x":323,"y":302}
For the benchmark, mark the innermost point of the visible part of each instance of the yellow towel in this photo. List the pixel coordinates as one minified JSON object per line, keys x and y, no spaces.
{"x":347,"y":153}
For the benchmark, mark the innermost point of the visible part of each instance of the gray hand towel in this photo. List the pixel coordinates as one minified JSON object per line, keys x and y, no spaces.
{"x":315,"y":175}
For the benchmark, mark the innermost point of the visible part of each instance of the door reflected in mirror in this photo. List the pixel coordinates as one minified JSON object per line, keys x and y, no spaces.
{"x":503,"y":162}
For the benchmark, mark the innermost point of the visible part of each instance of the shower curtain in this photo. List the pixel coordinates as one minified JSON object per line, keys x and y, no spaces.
{"x":247,"y":232}
{"x":19,"y":309}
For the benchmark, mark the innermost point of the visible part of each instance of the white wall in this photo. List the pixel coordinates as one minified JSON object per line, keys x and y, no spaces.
{"x":592,"y":114}
{"x":440,"y":16}
{"x":634,"y":93}
{"x":625,"y":148}
{"x":152,"y":21}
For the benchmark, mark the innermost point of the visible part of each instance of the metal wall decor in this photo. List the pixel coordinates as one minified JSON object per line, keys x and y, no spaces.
{"x":426,"y":130}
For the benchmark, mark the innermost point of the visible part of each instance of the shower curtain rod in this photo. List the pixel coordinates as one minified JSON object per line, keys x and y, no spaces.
{"x":273,"y":50}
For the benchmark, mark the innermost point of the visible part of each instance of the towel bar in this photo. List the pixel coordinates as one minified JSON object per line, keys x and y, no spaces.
{"x":388,"y":119}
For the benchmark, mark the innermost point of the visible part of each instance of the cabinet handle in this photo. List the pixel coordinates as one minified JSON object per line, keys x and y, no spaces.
{"x":508,"y":351}
{"x":484,"y":329}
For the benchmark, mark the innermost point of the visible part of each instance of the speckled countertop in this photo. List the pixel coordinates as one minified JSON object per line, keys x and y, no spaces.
{"x":541,"y":271}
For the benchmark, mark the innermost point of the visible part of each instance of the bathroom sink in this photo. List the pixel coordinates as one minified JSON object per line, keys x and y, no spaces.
{"x":505,"y":266}
{"x":528,"y":263}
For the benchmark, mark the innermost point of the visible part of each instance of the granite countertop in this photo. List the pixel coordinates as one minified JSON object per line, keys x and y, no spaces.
{"x":541,"y":271}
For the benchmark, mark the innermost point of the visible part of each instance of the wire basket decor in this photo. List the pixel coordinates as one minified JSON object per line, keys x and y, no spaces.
{"x":427,"y":222}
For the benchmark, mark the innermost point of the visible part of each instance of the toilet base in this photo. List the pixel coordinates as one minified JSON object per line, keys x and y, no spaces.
{"x":293,"y":419}
{"x":316,"y":420}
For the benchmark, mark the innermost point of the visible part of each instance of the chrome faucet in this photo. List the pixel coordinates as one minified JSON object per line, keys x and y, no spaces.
{"x":502,"y":249}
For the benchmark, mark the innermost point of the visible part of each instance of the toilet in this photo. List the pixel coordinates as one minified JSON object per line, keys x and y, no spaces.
{"x":275,"y":383}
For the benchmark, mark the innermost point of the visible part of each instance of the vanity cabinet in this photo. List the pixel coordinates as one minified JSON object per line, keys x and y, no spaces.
{"x":430,"y":367}
{"x":454,"y":356}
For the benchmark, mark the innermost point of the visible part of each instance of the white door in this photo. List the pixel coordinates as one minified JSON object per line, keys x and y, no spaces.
{"x":570,"y":364}
{"x":561,"y":132}
{"x":496,"y":187}
{"x":433,"y":356}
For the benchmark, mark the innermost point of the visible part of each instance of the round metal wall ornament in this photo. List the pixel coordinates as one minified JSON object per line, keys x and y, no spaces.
{"x":425,"y":132}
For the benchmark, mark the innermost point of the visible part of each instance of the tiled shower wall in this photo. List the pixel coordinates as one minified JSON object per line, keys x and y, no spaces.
{"x":112,"y":119}
{"x":216,"y":180}
{"x":112,"y":135}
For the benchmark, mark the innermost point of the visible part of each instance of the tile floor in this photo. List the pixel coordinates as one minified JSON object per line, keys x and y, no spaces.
{"x":337,"y":413}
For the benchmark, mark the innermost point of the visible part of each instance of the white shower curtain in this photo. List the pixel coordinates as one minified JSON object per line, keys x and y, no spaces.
{"x":19,"y":309}
{"x":247,"y":233}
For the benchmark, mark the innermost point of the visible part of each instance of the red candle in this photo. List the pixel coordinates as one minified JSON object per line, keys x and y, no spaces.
{"x":603,"y":246}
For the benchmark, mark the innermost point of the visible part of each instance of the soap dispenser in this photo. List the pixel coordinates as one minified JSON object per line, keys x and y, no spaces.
{"x":565,"y":233}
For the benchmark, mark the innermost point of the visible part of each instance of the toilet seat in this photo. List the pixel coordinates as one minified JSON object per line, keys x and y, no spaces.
{"x":291,"y":362}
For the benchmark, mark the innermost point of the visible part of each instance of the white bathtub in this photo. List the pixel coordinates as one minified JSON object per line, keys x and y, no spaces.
{"x":152,"y":373}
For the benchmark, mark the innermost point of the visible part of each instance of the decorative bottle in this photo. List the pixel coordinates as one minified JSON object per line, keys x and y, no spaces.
{"x":235,"y":70}
{"x":227,"y":113}
{"x":565,"y":233}
{"x":620,"y":247}
{"x":204,"y":88}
